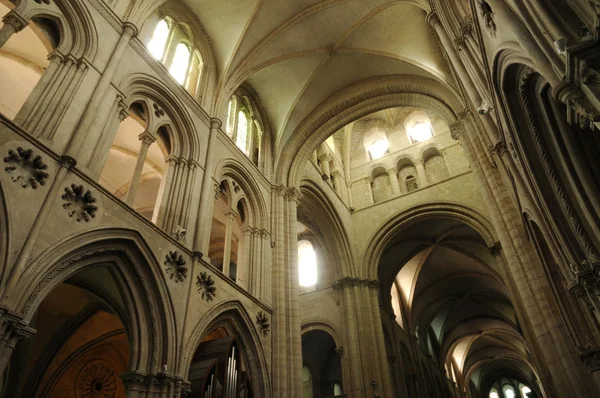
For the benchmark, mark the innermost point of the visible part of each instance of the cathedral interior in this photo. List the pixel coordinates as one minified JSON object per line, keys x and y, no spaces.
{"x":300,"y":198}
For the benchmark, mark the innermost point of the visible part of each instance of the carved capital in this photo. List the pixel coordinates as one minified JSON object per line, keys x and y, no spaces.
{"x":499,"y":148}
{"x":215,"y":124}
{"x":293,"y":194}
{"x":67,"y":162}
{"x":432,"y":19}
{"x":457,"y":130}
{"x":16,"y":20}
{"x":579,"y":109}
{"x":146,"y":138}
{"x":130,"y":29}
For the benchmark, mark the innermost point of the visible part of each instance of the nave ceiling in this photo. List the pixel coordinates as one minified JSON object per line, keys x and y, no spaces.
{"x":295,"y":54}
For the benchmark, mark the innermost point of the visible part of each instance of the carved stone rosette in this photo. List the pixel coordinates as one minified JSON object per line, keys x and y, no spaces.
{"x":262,"y":321}
{"x":175,"y":266}
{"x":24,"y":167}
{"x":97,"y":379}
{"x":79,"y":204}
{"x":206,"y":286}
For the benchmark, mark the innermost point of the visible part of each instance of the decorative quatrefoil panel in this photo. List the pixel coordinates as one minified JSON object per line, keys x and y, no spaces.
{"x":25,"y":168}
{"x":79,"y":204}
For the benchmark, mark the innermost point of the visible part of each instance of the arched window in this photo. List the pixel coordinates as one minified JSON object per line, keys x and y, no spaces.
{"x":337,"y":389}
{"x":494,"y":393}
{"x":418,"y":127}
{"x":181,"y":62}
{"x":376,"y":143}
{"x":159,"y":39}
{"x":244,"y":128}
{"x":307,"y":264}
{"x":509,"y":392}
{"x":171,"y":44}
{"x":525,"y":391}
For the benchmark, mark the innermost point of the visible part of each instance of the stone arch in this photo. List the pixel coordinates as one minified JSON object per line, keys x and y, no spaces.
{"x":152,"y":333}
{"x":258,"y":214}
{"x":74,"y":21}
{"x":396,"y":223}
{"x":325,"y":326}
{"x":233,"y":316}
{"x":359,"y":100}
{"x":313,"y":196}
{"x":184,"y":141}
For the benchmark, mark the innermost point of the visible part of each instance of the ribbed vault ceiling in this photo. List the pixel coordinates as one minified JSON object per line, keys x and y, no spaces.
{"x":295,"y":54}
{"x":450,"y":285}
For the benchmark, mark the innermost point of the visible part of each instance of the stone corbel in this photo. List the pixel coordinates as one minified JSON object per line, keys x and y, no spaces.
{"x":579,"y":109}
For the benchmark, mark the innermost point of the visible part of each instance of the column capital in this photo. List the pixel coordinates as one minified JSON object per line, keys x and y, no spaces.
{"x":457,"y":129}
{"x":230,"y":214}
{"x":432,"y":19}
{"x":67,"y":162}
{"x":325,"y":157}
{"x":146,"y":138}
{"x":391,"y":170}
{"x":294,"y":194}
{"x":129,"y":29}
{"x":16,"y":20}
{"x":215,"y":123}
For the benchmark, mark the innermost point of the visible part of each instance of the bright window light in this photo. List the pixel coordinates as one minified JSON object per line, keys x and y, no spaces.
{"x":231,"y":116}
{"x":242,"y":131}
{"x":159,"y":39}
{"x":331,"y":144}
{"x":509,"y":392}
{"x":418,"y":126}
{"x":307,"y":264}
{"x":494,"y":394}
{"x":181,"y":63}
{"x":525,"y":390}
{"x":378,"y":148}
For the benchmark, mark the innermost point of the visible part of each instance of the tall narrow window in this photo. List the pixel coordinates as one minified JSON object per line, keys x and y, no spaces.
{"x":494,"y":394}
{"x":241,"y":139}
{"x":307,"y":264}
{"x":159,"y":39}
{"x":337,"y":389}
{"x":181,"y":63}
{"x":525,"y":391}
{"x":509,"y":392}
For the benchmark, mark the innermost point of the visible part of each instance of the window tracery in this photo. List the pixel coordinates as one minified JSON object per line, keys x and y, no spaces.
{"x":244,"y":128}
{"x":172,"y":45}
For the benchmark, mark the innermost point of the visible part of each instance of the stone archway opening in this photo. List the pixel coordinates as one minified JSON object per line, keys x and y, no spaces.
{"x":81,"y":344}
{"x":322,"y":369}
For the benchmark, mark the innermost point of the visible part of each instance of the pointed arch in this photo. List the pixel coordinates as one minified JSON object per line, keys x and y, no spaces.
{"x":396,"y":223}
{"x":233,"y":316}
{"x":138,"y":276}
{"x":258,"y":214}
{"x":184,"y":141}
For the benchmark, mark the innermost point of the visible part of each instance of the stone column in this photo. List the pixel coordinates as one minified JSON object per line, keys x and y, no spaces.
{"x":394,"y":181}
{"x":386,"y":381}
{"x":339,"y":181}
{"x":470,"y":88}
{"x":230,"y":215}
{"x":13,"y":22}
{"x":325,"y":166}
{"x":12,"y":330}
{"x":204,"y":221}
{"x":146,"y":139}
{"x":287,"y":347}
{"x":421,"y":174}
{"x":100,"y":91}
{"x":245,"y":267}
{"x":161,"y":210}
